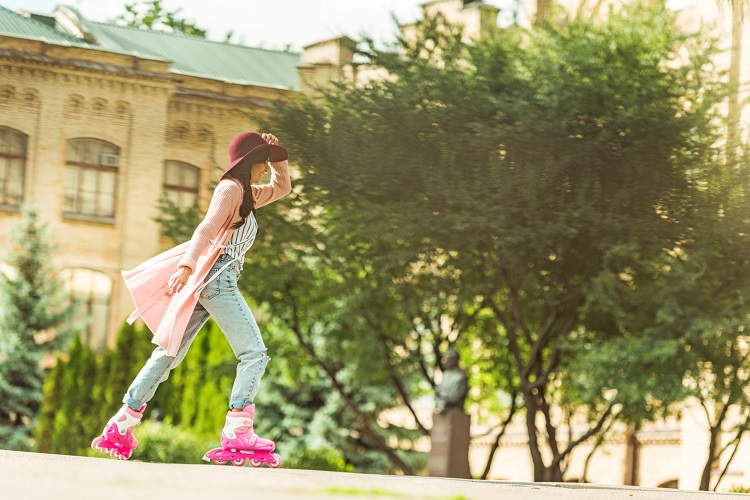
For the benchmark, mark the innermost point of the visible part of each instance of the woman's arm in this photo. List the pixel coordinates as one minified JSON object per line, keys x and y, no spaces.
{"x":279,"y":186}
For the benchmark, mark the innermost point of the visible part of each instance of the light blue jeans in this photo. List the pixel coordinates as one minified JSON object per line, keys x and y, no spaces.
{"x":221,"y":300}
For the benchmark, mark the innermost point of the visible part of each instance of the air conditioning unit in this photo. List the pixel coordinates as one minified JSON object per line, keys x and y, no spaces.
{"x":109,"y":160}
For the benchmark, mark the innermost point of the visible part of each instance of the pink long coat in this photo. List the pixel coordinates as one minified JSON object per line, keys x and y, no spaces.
{"x":168,"y":315}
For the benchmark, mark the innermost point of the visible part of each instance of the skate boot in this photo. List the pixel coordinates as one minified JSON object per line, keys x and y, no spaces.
{"x":117,"y":438}
{"x":240,"y":444}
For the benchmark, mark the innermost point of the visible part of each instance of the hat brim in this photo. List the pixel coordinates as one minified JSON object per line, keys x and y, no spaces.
{"x":276,"y":153}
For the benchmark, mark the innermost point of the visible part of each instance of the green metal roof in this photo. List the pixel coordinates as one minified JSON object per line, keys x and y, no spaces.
{"x":188,"y":55}
{"x":196,"y":56}
{"x":16,"y":25}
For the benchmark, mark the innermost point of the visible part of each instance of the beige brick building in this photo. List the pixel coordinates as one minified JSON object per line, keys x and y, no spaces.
{"x":98,"y":120}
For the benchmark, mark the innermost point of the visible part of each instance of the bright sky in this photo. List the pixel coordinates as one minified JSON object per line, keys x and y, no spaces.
{"x":271,"y":24}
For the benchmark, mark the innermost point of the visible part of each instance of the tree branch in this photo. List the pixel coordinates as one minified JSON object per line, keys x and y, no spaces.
{"x":551,"y":430}
{"x":740,"y":431}
{"x":503,"y":428}
{"x":597,"y":444}
{"x":361,"y":419}
{"x":588,"y":434}
{"x":386,"y":343}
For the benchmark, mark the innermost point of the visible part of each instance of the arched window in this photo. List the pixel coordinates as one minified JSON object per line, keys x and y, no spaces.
{"x":181,"y":183}
{"x":12,"y":166}
{"x":90,"y":179}
{"x":93,"y":290}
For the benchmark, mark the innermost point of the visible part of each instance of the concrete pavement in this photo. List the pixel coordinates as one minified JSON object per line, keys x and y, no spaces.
{"x":35,"y":476}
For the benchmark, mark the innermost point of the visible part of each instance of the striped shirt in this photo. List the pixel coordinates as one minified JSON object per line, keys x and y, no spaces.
{"x":242,"y":239}
{"x":228,"y":194}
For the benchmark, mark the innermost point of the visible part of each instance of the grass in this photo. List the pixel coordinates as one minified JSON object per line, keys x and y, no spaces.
{"x":379,"y":493}
{"x":361,"y":492}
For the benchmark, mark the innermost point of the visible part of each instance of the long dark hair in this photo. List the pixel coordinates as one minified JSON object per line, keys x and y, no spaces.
{"x":241,"y":172}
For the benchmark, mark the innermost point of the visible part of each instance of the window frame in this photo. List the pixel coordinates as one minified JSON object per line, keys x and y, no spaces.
{"x":181,"y":188}
{"x":9,"y":157}
{"x":80,"y":169}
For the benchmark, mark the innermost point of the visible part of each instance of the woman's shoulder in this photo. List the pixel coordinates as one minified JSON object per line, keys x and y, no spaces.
{"x":229,"y":186}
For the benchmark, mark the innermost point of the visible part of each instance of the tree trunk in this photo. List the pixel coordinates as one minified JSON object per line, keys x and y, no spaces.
{"x":633,"y":448}
{"x":504,"y":427}
{"x":712,"y":458}
{"x":536,"y":454}
{"x":542,"y":472}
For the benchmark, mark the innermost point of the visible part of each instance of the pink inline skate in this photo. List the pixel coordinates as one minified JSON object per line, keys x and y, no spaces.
{"x":117,"y":438}
{"x":239,"y":444}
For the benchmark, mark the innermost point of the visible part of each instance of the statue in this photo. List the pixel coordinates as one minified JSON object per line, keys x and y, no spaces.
{"x":450,"y":434}
{"x":451,"y":392}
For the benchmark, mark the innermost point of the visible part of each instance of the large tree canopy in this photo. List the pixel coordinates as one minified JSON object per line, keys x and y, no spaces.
{"x":492,"y":186}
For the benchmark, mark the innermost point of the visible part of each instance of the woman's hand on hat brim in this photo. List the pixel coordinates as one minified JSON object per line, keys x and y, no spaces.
{"x":270,"y":139}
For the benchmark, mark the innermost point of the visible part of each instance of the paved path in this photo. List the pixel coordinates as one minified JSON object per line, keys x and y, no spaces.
{"x":36,"y":476}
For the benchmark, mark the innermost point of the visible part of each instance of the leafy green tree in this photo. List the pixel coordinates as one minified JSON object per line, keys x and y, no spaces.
{"x":689,"y":335}
{"x":151,"y":15}
{"x":522,"y":168}
{"x":177,"y":223}
{"x":35,"y":319}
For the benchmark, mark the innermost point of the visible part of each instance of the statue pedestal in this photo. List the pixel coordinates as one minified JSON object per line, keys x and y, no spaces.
{"x":449,"y":455}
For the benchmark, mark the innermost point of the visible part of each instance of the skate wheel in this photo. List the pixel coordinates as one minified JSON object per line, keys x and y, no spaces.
{"x":219,"y":461}
{"x":275,"y":462}
{"x":96,"y":443}
{"x":255,"y":462}
{"x":239,"y":462}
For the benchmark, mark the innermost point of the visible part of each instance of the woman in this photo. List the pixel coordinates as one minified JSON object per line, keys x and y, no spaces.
{"x":176,"y":304}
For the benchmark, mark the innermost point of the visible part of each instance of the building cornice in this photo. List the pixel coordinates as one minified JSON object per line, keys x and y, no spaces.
{"x":97,"y":67}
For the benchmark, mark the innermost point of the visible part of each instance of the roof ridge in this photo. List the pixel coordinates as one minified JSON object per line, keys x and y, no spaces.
{"x":189,"y":37}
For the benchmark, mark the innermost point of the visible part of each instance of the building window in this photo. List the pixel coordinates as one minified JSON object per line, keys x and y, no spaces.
{"x":93,"y":291}
{"x":181,"y":183}
{"x":12,"y":166}
{"x":90,"y":179}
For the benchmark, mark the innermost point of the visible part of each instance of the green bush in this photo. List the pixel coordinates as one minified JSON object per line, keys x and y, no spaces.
{"x":739,"y":489}
{"x":318,"y":459}
{"x":166,"y":443}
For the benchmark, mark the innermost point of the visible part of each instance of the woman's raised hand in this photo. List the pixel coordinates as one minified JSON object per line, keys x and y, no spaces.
{"x":270,"y":139}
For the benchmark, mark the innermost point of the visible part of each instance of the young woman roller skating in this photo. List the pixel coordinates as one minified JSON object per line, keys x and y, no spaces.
{"x":177,"y":291}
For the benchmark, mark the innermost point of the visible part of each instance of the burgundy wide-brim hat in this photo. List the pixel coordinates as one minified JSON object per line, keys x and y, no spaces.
{"x":251,"y":142}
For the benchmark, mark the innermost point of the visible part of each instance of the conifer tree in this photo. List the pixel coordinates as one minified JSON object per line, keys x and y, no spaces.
{"x":220,"y":367}
{"x":35,"y":318}
{"x":51,"y":399}
{"x":72,"y":420}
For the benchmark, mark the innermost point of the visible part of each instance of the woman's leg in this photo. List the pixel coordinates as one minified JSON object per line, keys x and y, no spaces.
{"x":157,"y":368}
{"x":224,"y":302}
